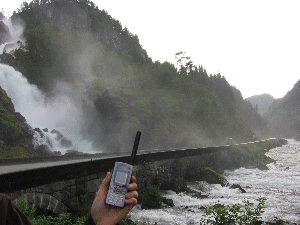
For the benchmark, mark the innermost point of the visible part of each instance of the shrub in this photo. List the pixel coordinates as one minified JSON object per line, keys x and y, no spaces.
{"x":151,"y":198}
{"x":235,"y":214}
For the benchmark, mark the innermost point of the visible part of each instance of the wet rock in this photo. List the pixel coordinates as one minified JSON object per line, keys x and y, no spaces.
{"x":73,"y":152}
{"x":205,"y":174}
{"x":43,"y":150}
{"x":237,"y":186}
{"x":56,"y":153}
{"x":168,"y":202}
{"x":66,"y":143}
{"x":59,"y":134}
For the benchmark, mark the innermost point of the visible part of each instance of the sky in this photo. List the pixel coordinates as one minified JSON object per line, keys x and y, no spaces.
{"x":254,"y":44}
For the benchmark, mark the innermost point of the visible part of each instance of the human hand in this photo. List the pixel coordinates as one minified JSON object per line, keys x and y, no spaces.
{"x":103,"y":214}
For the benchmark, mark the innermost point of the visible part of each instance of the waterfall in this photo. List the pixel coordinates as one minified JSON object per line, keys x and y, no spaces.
{"x":15,"y":34}
{"x":61,"y":112}
{"x":68,"y":111}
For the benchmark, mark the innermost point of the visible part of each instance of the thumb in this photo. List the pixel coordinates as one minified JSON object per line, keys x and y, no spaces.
{"x":105,"y":184}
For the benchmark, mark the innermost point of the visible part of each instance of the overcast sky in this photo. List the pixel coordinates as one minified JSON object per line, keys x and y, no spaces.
{"x":254,"y":44}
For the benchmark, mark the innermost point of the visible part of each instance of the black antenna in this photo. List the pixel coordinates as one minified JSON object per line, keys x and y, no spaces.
{"x":135,"y":147}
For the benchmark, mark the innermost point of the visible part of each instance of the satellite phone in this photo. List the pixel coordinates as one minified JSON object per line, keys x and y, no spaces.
{"x":121,"y":177}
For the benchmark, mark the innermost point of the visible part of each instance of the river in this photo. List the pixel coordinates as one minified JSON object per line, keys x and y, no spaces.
{"x":280,"y":185}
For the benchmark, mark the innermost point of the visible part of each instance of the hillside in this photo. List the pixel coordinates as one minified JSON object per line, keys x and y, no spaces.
{"x":284,"y":115}
{"x":261,"y":102}
{"x":73,"y":48}
{"x":15,"y":134}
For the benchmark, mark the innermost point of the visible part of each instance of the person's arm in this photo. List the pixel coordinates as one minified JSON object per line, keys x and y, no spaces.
{"x":10,"y":214}
{"x":103,"y":214}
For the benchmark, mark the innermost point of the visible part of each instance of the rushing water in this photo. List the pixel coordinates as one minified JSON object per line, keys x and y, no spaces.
{"x":280,"y":185}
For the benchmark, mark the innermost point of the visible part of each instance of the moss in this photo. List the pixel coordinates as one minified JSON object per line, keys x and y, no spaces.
{"x":8,"y":121}
{"x":12,"y":139}
{"x":256,"y":151}
{"x":206,"y":174}
{"x":14,"y":152}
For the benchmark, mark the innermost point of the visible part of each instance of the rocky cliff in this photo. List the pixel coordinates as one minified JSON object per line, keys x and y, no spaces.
{"x":84,"y":18}
{"x":15,"y":134}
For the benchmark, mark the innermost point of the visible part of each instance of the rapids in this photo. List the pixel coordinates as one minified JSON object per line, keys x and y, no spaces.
{"x":280,"y":185}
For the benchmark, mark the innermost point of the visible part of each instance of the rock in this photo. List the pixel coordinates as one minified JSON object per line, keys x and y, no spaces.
{"x":73,"y":152}
{"x":43,"y":150}
{"x":59,"y":135}
{"x":199,"y":195}
{"x":66,"y":143}
{"x":168,"y":202}
{"x":205,"y":174}
{"x":56,"y":153}
{"x":14,"y":130}
{"x":237,"y":186}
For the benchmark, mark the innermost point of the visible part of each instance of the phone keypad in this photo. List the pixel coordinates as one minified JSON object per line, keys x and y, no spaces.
{"x":116,"y":196}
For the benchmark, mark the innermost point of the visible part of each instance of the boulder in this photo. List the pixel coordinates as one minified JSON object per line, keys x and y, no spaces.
{"x":168,"y":202}
{"x":205,"y":174}
{"x":66,"y":143}
{"x":43,"y":150}
{"x":59,"y":134}
{"x":237,"y":186}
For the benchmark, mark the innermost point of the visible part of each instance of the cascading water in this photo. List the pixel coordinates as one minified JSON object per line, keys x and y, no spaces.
{"x":280,"y":185}
{"x":62,"y":112}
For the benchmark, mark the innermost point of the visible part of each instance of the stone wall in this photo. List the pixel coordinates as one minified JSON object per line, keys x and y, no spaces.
{"x":62,"y":188}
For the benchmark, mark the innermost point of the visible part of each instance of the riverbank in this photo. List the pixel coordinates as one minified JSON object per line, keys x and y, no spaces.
{"x":174,"y":174}
{"x":279,"y":186}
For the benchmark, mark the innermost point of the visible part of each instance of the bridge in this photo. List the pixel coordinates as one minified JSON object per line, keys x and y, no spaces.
{"x":59,"y":184}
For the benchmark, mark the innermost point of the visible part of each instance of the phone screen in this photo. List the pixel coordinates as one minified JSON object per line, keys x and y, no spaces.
{"x":121,"y":177}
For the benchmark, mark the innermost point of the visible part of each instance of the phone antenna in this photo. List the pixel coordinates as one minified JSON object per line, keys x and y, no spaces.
{"x":135,"y":147}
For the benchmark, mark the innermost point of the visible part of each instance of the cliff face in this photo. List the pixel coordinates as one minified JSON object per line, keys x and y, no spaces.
{"x":87,"y":20}
{"x":15,"y":134}
{"x":284,"y":115}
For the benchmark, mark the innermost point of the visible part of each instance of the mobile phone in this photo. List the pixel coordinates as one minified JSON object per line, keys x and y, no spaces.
{"x":121,"y":178}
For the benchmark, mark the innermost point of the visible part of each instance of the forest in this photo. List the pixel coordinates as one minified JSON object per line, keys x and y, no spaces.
{"x":174,"y":106}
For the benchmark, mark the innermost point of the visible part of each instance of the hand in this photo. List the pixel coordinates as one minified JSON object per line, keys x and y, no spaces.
{"x":103,"y":214}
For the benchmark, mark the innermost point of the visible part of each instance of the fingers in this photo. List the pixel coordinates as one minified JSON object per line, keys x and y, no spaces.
{"x":107,"y":179}
{"x":132,"y":187}
{"x":105,"y":184}
{"x":132,"y":194}
{"x":131,"y":201}
{"x":133,"y":179}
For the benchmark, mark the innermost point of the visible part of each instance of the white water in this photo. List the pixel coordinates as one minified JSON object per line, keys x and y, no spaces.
{"x":16,"y":32}
{"x":61,"y":112}
{"x":280,"y":185}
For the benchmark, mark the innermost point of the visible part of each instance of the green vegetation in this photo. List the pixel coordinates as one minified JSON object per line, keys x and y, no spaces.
{"x":151,"y":198}
{"x":11,"y":135}
{"x":235,"y":214}
{"x":14,"y":152}
{"x":256,"y":151}
{"x":62,"y":219}
{"x":173,"y":106}
{"x":205,"y":174}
